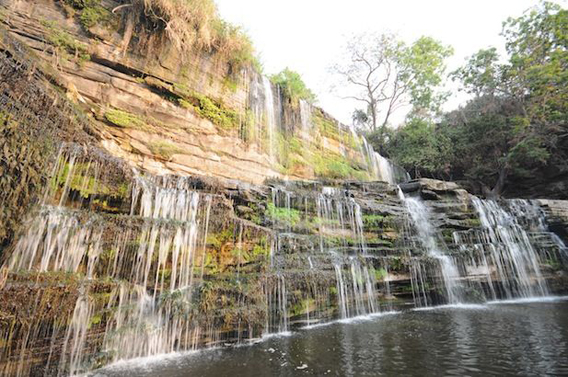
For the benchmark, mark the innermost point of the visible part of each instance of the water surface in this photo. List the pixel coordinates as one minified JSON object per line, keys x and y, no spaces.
{"x":511,"y":338}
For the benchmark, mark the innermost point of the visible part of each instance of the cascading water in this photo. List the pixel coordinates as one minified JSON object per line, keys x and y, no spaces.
{"x":421,"y":220}
{"x":380,"y":167}
{"x":306,"y":120}
{"x":150,"y":280}
{"x":516,"y":262}
{"x":270,"y":114}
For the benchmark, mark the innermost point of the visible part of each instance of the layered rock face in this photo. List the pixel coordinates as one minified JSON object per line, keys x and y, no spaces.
{"x":171,"y":114}
{"x":120,"y":246}
{"x":116,"y":264}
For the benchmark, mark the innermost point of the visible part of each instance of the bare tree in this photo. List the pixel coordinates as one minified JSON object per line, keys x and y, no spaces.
{"x":370,"y":70}
{"x":385,"y":74}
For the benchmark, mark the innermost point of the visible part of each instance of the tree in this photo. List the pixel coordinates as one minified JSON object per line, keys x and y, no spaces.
{"x":481,"y":75}
{"x":537,"y":43}
{"x":514,"y":131}
{"x":421,"y":149}
{"x":385,"y":74}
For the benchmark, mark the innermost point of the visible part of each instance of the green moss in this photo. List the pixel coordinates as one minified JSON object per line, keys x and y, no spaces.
{"x":231,"y":84}
{"x":65,"y":45}
{"x":85,"y":183}
{"x":125,"y":119}
{"x":23,"y":164}
{"x":380,"y":274}
{"x":328,"y":127}
{"x":474,"y":222}
{"x":260,"y":250}
{"x":207,"y":108}
{"x":302,"y":307}
{"x":95,"y":320}
{"x":91,"y":12}
{"x":248,"y":127}
{"x":381,"y":242}
{"x":334,"y":166}
{"x":284,"y":215}
{"x":373,"y":220}
{"x":554,"y":264}
{"x":217,"y":240}
{"x":164,"y":149}
{"x":185,"y":104}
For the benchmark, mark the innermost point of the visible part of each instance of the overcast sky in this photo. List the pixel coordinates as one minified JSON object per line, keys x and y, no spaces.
{"x":307,"y":35}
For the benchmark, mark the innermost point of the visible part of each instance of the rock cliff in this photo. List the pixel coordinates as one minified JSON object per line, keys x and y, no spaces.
{"x":155,"y":205}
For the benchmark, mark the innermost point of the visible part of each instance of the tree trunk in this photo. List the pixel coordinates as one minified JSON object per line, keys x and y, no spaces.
{"x":497,"y":190}
{"x":374,"y":115}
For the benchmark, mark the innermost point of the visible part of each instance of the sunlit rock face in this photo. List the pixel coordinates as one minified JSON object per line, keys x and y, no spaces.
{"x":190,"y":116}
{"x":143,"y":226}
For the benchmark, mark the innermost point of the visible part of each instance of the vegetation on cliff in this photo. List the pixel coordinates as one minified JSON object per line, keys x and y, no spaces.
{"x":293,"y":86}
{"x":188,"y":25}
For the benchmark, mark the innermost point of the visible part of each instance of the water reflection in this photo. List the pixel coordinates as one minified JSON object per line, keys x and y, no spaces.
{"x":507,"y":339}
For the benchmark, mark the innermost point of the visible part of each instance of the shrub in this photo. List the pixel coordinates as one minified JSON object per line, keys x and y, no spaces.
{"x":195,"y":25}
{"x":293,"y":86}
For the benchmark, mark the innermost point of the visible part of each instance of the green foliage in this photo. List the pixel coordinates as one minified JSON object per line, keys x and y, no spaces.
{"x":283,"y":215}
{"x":481,"y":74}
{"x":82,"y":179}
{"x":293,"y":86}
{"x":513,"y":127}
{"x":65,"y":45}
{"x":422,"y":66}
{"x":380,"y":274}
{"x":90,"y":12}
{"x":333,"y":166}
{"x":213,"y":111}
{"x":537,"y":43}
{"x":326,"y":125}
{"x":420,"y":148}
{"x":384,"y":74}
{"x":370,"y":221}
{"x":164,"y":149}
{"x":125,"y":119}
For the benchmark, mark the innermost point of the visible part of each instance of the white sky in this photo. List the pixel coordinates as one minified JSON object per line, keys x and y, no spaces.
{"x":307,"y":35}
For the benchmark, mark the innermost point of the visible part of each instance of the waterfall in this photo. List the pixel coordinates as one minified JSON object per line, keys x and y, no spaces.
{"x":157,"y":278}
{"x":76,"y":337}
{"x":511,"y":251}
{"x":146,"y":280}
{"x":339,"y":216}
{"x":355,"y":289}
{"x":421,"y":220}
{"x":270,"y":115}
{"x":381,"y":168}
{"x":306,"y":120}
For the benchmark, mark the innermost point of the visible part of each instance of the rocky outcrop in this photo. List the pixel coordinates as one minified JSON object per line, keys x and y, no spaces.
{"x":557,"y":215}
{"x":168,"y":115}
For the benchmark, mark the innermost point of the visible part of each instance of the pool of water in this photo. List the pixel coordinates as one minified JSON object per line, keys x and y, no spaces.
{"x":526,"y":338}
